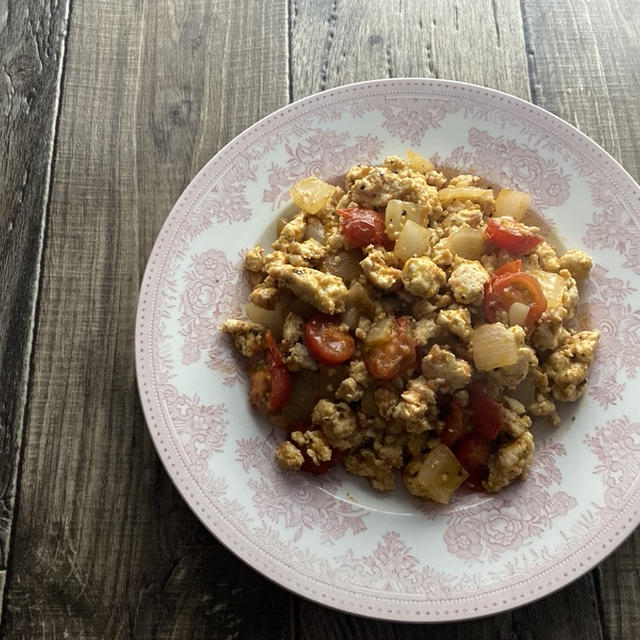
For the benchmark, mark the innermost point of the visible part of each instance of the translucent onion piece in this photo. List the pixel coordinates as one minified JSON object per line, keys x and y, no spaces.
{"x":350,"y":317}
{"x":270,"y":318}
{"x":399,"y":211}
{"x":512,"y":203}
{"x":493,"y":346}
{"x":345,"y":265}
{"x":475,"y":194}
{"x":314,"y":229}
{"x":552,"y":286}
{"x":525,"y":392}
{"x":414,"y":240}
{"x":467,"y":243}
{"x":380,"y":332}
{"x":518,"y":312}
{"x":311,"y":194}
{"x":419,"y":163}
{"x":358,"y":297}
{"x":441,"y":474}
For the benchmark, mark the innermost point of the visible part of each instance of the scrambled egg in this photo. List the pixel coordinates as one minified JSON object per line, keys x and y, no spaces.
{"x":365,"y":317}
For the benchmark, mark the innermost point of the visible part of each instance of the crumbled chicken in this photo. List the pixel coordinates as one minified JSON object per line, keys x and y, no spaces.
{"x":288,"y":456}
{"x":253,"y":259}
{"x":366,"y":464}
{"x":422,"y":277}
{"x":299,"y":358}
{"x":249,"y":337}
{"x":510,"y":461}
{"x":380,"y":267}
{"x":467,"y":282}
{"x":324,"y":291}
{"x":514,"y":416}
{"x":568,"y":366}
{"x":577,"y":263}
{"x":456,"y":321}
{"x":338,"y":423}
{"x":449,"y":372}
{"x":313,"y":444}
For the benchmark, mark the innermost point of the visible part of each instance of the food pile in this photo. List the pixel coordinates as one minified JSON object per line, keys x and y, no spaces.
{"x":412,"y":325}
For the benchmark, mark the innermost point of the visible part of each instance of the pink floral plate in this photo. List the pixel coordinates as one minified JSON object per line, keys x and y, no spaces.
{"x":333,"y":539}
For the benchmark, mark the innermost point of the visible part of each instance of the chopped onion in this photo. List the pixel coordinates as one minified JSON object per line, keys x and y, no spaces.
{"x":493,"y":346}
{"x":380,"y":332}
{"x":475,"y":194}
{"x":314,"y":229}
{"x":512,"y":203}
{"x":358,"y":297}
{"x":413,"y":240}
{"x":419,"y":163}
{"x":525,"y":392}
{"x":345,"y":265}
{"x":552,"y":286}
{"x":467,"y":243}
{"x":270,"y":318}
{"x":518,"y":313}
{"x":399,"y":211}
{"x":350,"y":317}
{"x":441,"y":474}
{"x":311,"y":194}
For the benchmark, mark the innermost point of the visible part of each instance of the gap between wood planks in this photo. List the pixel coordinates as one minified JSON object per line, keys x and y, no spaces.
{"x":22,"y":412}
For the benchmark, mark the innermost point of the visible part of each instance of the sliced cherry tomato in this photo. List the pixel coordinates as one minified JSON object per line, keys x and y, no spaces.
{"x":326,"y":342}
{"x":504,"y":290}
{"x":455,"y":425}
{"x":270,"y":380}
{"x":362,"y":227}
{"x":486,"y":413}
{"x":309,"y":465}
{"x":395,"y":357}
{"x":511,"y":267}
{"x":473,"y":452}
{"x":511,"y":236}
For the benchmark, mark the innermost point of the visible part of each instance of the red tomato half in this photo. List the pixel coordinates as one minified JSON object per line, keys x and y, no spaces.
{"x":486,"y":413}
{"x":309,"y":465}
{"x":511,"y":236}
{"x":362,"y":227}
{"x":473,"y":452}
{"x":395,"y":357}
{"x":270,"y":380}
{"x":454,"y":426}
{"x":504,"y":290}
{"x":326,"y":342}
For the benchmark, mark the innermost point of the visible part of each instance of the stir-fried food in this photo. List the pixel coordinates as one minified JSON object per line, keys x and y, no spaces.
{"x":411,"y":325}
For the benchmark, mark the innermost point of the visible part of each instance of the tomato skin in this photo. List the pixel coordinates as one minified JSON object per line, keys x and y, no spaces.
{"x":270,"y":380}
{"x":473,"y":452}
{"x":504,"y":290}
{"x":395,"y":357}
{"x":511,"y":236}
{"x":454,"y":426}
{"x":309,"y":465}
{"x":514,"y":266}
{"x":486,"y":414}
{"x":326,"y":342}
{"x":362,"y":227}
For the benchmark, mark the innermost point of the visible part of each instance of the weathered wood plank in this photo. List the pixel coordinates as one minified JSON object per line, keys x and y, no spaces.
{"x":335,"y":43}
{"x":32,"y":42}
{"x":104,"y":546}
{"x":583,"y":59}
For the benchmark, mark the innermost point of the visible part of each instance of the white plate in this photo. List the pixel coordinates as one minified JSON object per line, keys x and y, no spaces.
{"x":333,"y":539}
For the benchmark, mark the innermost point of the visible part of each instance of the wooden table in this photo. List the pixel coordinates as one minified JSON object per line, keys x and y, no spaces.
{"x":109,"y":109}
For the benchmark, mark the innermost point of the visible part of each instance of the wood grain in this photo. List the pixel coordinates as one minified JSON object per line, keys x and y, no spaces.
{"x":32,"y":38}
{"x":583,"y":57}
{"x":334,"y":43}
{"x":104,"y":546}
